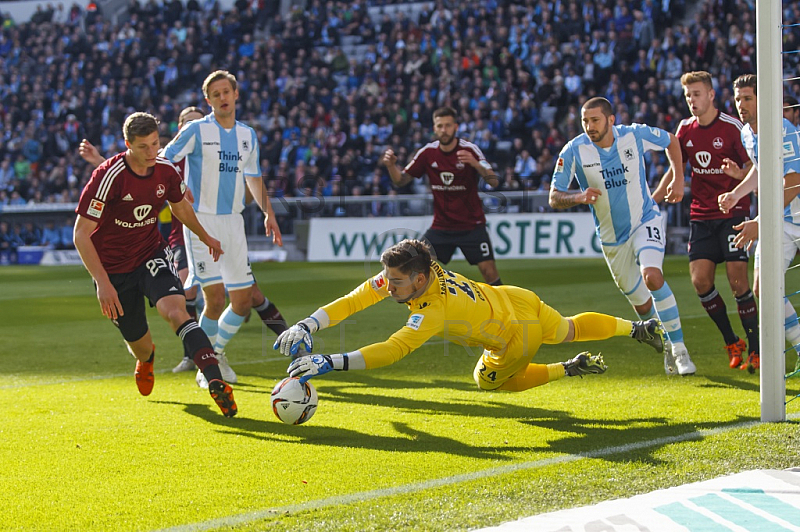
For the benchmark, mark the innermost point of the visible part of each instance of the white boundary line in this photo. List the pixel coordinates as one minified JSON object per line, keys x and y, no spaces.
{"x":235,"y":520}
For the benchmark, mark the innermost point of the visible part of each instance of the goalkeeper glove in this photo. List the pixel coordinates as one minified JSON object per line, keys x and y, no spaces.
{"x":289,"y":341}
{"x":309,"y":366}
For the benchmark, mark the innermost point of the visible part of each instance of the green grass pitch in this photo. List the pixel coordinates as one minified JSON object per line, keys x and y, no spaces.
{"x":413,"y":446}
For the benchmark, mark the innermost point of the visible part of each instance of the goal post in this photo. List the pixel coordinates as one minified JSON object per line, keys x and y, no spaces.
{"x":770,"y":202}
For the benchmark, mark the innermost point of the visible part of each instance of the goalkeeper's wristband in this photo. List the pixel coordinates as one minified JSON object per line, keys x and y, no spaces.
{"x":311,"y":324}
{"x":340,"y":362}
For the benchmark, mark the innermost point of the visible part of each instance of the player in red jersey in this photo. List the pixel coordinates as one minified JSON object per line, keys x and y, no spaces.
{"x":117,"y":236}
{"x":454,"y":167}
{"x":711,"y":143}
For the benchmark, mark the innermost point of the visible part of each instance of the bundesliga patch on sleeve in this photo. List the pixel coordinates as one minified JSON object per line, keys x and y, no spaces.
{"x":560,"y":165}
{"x":95,"y":208}
{"x":378,"y":282}
{"x":415,"y":320}
{"x":183,"y":187}
{"x":788,"y":149}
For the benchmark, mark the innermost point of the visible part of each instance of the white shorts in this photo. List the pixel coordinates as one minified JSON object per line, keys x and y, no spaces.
{"x":233,"y":267}
{"x":644,"y":249}
{"x":791,"y":243}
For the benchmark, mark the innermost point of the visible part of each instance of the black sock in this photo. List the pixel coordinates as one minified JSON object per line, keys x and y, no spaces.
{"x":196,"y":342}
{"x":152,"y":356}
{"x":496,"y":282}
{"x":271,"y":316}
{"x":748,"y":313}
{"x":717,"y":311}
{"x":191,"y":307}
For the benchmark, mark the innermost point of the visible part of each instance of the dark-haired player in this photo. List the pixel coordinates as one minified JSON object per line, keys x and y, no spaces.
{"x":119,"y":243}
{"x":711,"y":142}
{"x":454,"y":167}
{"x":508,"y":322}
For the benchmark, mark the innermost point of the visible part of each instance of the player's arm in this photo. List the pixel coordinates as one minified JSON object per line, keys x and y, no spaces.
{"x":399,"y":178}
{"x":182,"y":144}
{"x":560,"y":195}
{"x":106,"y":293}
{"x":660,"y":192}
{"x":481,"y":166}
{"x":727,"y":200}
{"x":363,"y":296}
{"x":183,"y":211}
{"x":259,"y":191}
{"x":731,"y":169}
{"x":401,"y":343}
{"x":675,"y":186}
{"x":90,"y":153}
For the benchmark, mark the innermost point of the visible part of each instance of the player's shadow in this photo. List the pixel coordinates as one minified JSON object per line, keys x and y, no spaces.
{"x":616,"y":440}
{"x":722,"y":381}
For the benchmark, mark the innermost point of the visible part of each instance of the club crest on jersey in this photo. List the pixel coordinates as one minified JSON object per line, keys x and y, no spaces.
{"x":160,"y":190}
{"x":141,"y":212}
{"x":628,"y":154}
{"x":717,"y":143}
{"x":459,"y":165}
{"x":95,"y":208}
{"x":704,"y":158}
{"x":245,"y":145}
{"x":447,"y":177}
{"x":415,"y":321}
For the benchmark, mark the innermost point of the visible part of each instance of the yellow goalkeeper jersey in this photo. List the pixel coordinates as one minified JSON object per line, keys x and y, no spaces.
{"x":456,"y":308}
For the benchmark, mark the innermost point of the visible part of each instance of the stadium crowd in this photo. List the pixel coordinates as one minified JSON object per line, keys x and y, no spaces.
{"x":517,"y":72}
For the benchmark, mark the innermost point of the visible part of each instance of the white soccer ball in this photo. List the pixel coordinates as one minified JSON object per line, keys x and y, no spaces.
{"x":294,"y":402}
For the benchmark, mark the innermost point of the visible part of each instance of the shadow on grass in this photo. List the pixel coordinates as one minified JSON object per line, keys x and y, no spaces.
{"x":639,"y":438}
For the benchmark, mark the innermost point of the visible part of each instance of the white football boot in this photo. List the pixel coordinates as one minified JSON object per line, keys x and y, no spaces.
{"x":683,"y":363}
{"x":186,"y":364}
{"x":228,"y":375}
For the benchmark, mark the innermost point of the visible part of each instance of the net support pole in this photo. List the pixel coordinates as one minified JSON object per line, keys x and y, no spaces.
{"x":770,"y":208}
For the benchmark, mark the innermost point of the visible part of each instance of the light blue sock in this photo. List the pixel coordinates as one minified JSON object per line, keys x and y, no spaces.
{"x":210,"y":327}
{"x":229,"y":324}
{"x":667,"y":308}
{"x":791,"y":325}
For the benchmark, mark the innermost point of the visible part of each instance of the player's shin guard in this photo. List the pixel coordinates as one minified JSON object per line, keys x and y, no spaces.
{"x":229,"y":324}
{"x":792,"y":327}
{"x":718,"y":312}
{"x":667,"y":309}
{"x":197,"y":343}
{"x":595,"y":326}
{"x":748,"y":314}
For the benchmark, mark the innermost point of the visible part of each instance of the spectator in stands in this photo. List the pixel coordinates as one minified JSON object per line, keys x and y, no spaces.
{"x":51,"y":237}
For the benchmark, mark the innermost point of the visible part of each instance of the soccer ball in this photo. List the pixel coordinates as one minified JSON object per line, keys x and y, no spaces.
{"x":294,"y":402}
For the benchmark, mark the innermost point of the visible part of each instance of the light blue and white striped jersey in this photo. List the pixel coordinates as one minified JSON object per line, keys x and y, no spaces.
{"x":217,"y":161}
{"x":620,"y":172}
{"x":791,"y":160}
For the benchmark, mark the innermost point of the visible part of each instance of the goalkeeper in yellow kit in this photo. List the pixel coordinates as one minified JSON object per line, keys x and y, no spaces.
{"x":510,"y":323}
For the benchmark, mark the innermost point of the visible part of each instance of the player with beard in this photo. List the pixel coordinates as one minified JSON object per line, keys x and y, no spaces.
{"x":711,"y":143}
{"x":608,"y":162}
{"x":454,"y":167}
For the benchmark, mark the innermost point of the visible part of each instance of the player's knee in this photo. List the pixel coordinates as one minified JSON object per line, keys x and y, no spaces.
{"x":483,"y":383}
{"x":653,"y":278}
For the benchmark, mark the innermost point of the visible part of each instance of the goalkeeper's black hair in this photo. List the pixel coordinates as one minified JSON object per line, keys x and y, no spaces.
{"x":409,"y":256}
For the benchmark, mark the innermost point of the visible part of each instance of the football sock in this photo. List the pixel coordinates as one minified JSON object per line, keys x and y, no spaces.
{"x":152,"y":356}
{"x":718,"y":312}
{"x":210,"y":327}
{"x":271,"y":316}
{"x":595,"y":326}
{"x":497,"y":282}
{"x":533,"y":375}
{"x":667,"y":309}
{"x":748,"y":313}
{"x":792,"y":327}
{"x":229,"y":324}
{"x":196,"y":342}
{"x":191,"y":307}
{"x":649,"y":314}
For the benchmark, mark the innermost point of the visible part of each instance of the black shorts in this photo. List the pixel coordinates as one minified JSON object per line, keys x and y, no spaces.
{"x":154,"y":279}
{"x":713,"y":240}
{"x":179,"y":256}
{"x":474,"y":244}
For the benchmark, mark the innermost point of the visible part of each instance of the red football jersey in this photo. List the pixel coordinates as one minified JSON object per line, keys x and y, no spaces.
{"x":704,"y":148}
{"x":126,"y":206}
{"x":175,"y":237}
{"x":456,"y":205}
